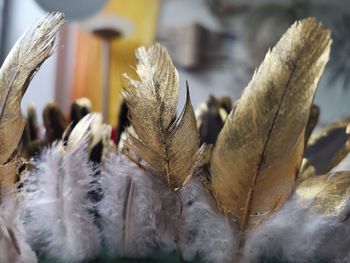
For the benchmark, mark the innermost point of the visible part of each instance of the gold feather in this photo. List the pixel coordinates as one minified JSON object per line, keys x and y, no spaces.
{"x":25,"y":58}
{"x":8,"y":173}
{"x":259,"y":150}
{"x":328,"y":193}
{"x":167,"y":145}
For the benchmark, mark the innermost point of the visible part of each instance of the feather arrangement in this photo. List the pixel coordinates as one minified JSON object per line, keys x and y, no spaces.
{"x":55,"y":125}
{"x":25,"y":58}
{"x":249,"y":198}
{"x":148,"y":211}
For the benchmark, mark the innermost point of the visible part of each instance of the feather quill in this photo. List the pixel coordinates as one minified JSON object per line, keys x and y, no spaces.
{"x":259,"y":150}
{"x":169,"y":146}
{"x":58,"y":218}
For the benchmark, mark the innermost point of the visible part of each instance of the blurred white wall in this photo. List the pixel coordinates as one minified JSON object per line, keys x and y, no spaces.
{"x":220,"y":78}
{"x":176,"y":13}
{"x":230,"y":78}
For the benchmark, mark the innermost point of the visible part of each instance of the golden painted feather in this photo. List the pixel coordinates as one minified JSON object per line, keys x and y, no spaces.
{"x":328,"y":193}
{"x":8,"y":174}
{"x":259,"y":150}
{"x":25,"y":58}
{"x":169,"y":146}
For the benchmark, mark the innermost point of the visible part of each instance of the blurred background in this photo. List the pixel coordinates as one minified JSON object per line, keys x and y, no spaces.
{"x":215,"y":44}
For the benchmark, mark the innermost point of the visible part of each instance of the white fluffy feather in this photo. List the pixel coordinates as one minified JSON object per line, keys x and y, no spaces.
{"x":134,"y":209}
{"x":294,"y":234}
{"x":205,"y":231}
{"x":10,"y":221}
{"x":58,"y":219}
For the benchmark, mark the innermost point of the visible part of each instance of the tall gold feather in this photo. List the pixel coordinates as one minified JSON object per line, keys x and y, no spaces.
{"x":258,"y":153}
{"x":23,"y":61}
{"x":25,"y":58}
{"x":168,"y":146}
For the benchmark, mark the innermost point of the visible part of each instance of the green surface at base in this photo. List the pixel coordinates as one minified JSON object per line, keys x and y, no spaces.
{"x":161,"y":257}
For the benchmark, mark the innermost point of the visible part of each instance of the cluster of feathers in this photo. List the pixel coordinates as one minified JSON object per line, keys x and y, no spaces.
{"x":249,"y":189}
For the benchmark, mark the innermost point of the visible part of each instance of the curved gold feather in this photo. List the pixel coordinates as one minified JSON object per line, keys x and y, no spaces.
{"x":24,"y":59}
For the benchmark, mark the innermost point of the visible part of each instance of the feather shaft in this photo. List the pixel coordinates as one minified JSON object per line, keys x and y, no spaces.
{"x":127,"y":212}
